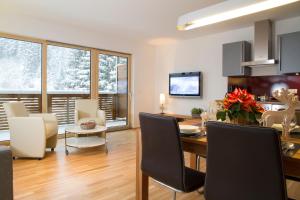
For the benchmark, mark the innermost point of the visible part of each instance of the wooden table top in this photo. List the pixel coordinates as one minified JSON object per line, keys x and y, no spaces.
{"x":202,"y":140}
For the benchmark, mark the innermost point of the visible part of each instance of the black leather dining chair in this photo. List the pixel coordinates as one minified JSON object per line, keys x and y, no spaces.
{"x":162,"y":155}
{"x":243,"y":163}
{"x":6,"y":174}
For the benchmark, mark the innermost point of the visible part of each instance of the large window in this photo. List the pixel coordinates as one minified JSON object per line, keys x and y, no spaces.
{"x":20,"y":66}
{"x":49,"y":76}
{"x":68,"y":70}
{"x":68,"y":78}
{"x":113,"y":89}
{"x":20,"y":75}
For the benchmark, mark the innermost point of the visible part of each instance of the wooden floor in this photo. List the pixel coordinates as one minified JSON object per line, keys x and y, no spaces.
{"x":90,"y":174}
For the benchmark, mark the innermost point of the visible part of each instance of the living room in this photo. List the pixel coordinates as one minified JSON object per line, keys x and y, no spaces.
{"x":98,"y":65}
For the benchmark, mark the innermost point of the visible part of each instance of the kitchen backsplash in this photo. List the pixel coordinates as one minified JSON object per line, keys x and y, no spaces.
{"x":264,"y":85}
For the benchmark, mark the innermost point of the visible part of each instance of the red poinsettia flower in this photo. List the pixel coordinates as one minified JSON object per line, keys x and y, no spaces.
{"x":245,"y":99}
{"x":240,"y":104}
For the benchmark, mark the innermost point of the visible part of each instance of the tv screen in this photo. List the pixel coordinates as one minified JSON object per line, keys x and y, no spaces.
{"x":184,"y":84}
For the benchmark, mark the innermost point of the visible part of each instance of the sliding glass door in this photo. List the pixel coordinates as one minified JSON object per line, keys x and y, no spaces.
{"x":113,"y":89}
{"x":49,"y":76}
{"x":20,"y":75}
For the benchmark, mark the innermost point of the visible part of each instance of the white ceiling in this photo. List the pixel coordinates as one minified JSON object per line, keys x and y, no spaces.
{"x":152,"y":20}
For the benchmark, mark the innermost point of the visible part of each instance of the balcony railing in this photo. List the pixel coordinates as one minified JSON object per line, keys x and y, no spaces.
{"x":107,"y":102}
{"x":63,"y":105}
{"x":32,"y":102}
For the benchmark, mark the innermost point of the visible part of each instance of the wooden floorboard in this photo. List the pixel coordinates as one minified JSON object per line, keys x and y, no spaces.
{"x":91,"y":174}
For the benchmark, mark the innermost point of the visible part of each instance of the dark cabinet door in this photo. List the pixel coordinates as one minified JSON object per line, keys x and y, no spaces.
{"x":233,"y":55}
{"x":289,"y":53}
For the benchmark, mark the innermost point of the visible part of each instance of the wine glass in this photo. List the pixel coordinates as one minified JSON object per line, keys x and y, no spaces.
{"x":260,"y":120}
{"x":285,"y":125}
{"x":204,"y":119}
{"x":292,"y":125}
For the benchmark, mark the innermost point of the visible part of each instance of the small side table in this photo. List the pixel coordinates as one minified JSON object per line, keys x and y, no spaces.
{"x":87,"y":138}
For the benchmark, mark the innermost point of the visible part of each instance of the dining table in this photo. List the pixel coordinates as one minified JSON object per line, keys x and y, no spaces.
{"x":197,"y":146}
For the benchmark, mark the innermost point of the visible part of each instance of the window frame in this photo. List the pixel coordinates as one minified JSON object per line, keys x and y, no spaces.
{"x":94,"y":67}
{"x":129,"y":94}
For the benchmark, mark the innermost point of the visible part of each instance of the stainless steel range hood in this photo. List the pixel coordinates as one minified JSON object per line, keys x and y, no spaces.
{"x":263,"y":52}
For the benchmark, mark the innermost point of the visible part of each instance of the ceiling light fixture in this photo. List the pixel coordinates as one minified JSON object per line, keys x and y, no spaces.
{"x":225,"y":11}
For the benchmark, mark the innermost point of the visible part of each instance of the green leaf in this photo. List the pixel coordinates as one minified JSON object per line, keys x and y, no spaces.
{"x":235,"y":107}
{"x":252,"y":117}
{"x":244,"y":115}
{"x":221,"y":115}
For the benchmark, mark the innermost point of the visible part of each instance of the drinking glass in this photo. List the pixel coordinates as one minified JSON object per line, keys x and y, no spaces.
{"x":260,"y":120}
{"x":286,"y":126}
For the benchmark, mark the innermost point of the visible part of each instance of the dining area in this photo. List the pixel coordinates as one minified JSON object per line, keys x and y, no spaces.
{"x":242,"y":160}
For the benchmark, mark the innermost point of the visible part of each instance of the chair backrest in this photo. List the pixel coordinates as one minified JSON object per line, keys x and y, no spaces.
{"x":243,"y":162}
{"x":86,"y":107}
{"x":162,"y":156}
{"x":15,"y":109}
{"x":6,"y":173}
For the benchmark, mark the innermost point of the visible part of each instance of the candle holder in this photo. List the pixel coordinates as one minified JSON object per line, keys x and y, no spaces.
{"x":162,"y":108}
{"x":162,"y":100}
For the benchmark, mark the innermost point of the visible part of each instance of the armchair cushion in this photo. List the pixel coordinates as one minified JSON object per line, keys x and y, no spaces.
{"x":51,"y":129}
{"x":102,"y":117}
{"x":50,"y":122}
{"x":86,"y":108}
{"x":15,"y":109}
{"x":83,"y":114}
{"x":47,"y":117}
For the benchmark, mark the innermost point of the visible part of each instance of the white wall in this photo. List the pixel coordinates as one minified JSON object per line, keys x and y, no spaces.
{"x":142,"y":54}
{"x":204,"y":54}
{"x":151,"y":65}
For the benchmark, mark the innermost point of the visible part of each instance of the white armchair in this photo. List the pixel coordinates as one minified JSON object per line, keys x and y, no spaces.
{"x":30,"y":134}
{"x":87,"y":110}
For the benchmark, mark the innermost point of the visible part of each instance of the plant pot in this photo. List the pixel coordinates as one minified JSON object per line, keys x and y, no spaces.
{"x":196,"y":116}
{"x":240,"y":121}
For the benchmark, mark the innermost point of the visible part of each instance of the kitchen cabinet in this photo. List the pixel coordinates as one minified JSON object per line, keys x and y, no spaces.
{"x":233,"y":54}
{"x":289,"y":53}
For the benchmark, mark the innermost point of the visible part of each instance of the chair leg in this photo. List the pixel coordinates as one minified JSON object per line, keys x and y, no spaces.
{"x":197,"y":162}
{"x":174,"y":195}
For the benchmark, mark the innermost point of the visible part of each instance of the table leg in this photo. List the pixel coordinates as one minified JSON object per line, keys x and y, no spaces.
{"x":106,"y":149}
{"x":193,"y":161}
{"x":198,"y":162}
{"x":142,"y":180}
{"x":144,"y":187}
{"x":66,"y":150}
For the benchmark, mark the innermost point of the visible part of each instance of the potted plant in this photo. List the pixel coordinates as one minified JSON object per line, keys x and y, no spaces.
{"x":196,"y":112}
{"x":240,"y":107}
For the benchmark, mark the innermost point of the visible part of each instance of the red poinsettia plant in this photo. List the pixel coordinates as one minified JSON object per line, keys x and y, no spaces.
{"x":240,"y":104}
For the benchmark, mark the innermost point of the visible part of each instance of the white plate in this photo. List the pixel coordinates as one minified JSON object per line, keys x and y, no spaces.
{"x":190,"y":133}
{"x":279,"y":128}
{"x":189,"y":129}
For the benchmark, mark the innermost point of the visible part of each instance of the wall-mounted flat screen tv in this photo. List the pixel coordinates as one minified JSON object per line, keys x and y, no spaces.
{"x":185,"y":84}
